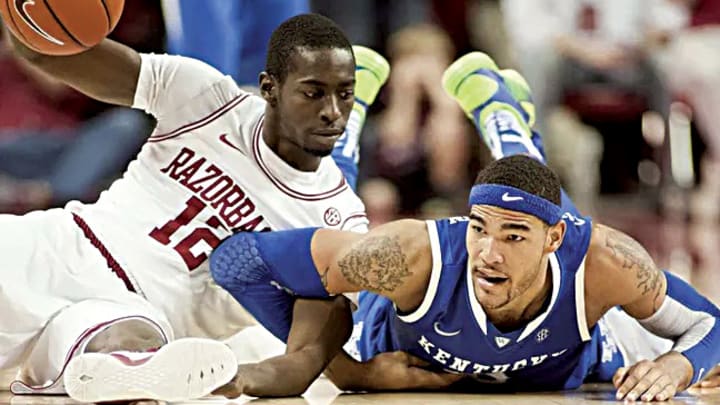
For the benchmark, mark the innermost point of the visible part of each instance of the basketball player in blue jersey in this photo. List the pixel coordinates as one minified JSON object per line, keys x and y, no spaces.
{"x":525,"y":291}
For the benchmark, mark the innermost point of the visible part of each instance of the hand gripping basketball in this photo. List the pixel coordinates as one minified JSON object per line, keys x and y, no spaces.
{"x":61,"y":27}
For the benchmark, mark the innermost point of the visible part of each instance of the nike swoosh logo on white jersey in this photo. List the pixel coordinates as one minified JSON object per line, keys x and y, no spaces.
{"x":507,"y":197}
{"x":21,"y":7}
{"x":436,"y":326}
{"x":224,"y":139}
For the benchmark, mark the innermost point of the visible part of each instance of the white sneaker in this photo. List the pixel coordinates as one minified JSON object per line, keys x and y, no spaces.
{"x":181,"y":370}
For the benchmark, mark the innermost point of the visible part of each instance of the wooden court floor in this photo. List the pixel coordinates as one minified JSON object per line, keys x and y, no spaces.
{"x":324,"y":393}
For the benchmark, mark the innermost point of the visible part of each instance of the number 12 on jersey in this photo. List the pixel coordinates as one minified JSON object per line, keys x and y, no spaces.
{"x":193,"y":207}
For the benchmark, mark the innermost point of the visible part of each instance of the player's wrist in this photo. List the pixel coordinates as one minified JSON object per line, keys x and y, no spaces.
{"x":679,"y":368}
{"x":348,"y":374}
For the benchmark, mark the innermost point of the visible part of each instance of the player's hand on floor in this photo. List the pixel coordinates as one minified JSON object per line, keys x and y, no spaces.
{"x":231,"y":390}
{"x":402,"y":371}
{"x":647,"y":381}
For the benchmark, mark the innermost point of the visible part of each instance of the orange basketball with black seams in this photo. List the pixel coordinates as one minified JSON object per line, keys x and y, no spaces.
{"x":61,"y":27}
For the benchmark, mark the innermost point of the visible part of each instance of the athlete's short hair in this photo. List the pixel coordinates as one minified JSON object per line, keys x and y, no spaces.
{"x":524,"y":173}
{"x":302,"y":31}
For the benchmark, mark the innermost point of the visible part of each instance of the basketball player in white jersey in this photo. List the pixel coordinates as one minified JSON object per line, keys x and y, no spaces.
{"x":129,"y":272}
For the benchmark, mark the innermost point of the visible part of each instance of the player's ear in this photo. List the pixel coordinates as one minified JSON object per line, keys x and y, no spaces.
{"x":555,"y":236}
{"x":268,"y":88}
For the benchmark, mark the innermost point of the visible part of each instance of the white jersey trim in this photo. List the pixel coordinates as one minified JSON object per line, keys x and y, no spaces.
{"x":434,"y":277}
{"x":580,"y":302}
{"x":535,"y":323}
{"x":201,"y":122}
{"x":257,"y":134}
{"x":477,"y":310}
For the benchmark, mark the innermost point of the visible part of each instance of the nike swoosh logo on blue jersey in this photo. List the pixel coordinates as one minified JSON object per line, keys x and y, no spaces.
{"x":436,"y":326}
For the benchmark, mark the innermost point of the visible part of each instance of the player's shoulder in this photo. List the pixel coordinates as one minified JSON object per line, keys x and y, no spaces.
{"x":447,"y":238}
{"x":611,"y":254}
{"x":451,"y":227}
{"x":577,"y":241}
{"x":181,"y":91}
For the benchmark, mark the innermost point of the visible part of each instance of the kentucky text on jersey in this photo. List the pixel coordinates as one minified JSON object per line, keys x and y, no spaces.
{"x":461,"y":365}
{"x":214,"y":187}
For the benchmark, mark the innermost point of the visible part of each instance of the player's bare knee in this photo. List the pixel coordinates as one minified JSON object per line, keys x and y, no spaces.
{"x":131,"y":335}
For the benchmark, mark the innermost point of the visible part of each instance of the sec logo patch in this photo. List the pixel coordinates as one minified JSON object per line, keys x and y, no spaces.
{"x":332,"y":216}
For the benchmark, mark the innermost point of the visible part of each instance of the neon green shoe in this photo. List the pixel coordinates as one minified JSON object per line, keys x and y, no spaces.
{"x":477,"y":73}
{"x":465,"y":82}
{"x":520,"y":90}
{"x":497,"y":101}
{"x":371,"y":73}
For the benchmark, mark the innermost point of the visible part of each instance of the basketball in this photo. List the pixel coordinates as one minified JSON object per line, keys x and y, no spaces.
{"x":61,"y":27}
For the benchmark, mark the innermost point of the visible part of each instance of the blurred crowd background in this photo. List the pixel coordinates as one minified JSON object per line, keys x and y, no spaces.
{"x":627,"y":94}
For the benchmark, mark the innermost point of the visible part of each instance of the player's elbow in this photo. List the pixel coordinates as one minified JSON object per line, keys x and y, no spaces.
{"x":236,"y":262}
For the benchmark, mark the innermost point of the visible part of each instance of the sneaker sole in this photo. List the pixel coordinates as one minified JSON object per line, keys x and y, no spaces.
{"x":181,"y":370}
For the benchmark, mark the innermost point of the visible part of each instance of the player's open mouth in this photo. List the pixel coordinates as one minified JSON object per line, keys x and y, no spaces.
{"x":487,"y":279}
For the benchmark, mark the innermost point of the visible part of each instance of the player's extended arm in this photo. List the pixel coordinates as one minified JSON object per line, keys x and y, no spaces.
{"x":619,"y":271}
{"x":107,"y":72}
{"x":261,"y":269}
{"x":393,"y":260}
{"x":319,"y":329}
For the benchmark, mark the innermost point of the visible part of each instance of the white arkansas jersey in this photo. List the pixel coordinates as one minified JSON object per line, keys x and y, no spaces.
{"x":204,"y":174}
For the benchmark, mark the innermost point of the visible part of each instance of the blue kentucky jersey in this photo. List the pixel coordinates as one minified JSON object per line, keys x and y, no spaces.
{"x":451,"y":331}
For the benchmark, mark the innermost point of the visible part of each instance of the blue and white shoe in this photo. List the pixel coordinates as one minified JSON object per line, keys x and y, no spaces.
{"x":499,"y":103}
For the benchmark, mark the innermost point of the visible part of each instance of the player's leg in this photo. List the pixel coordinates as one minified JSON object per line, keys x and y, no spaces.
{"x":31,"y":271}
{"x":58,"y":294}
{"x":43,"y":274}
{"x":88,"y":325}
{"x":498,"y":102}
{"x":257,"y":19}
{"x":371,"y":72}
{"x":193,"y":24}
{"x":133,"y":357}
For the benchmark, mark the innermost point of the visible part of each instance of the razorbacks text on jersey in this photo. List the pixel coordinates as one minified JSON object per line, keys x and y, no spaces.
{"x":449,"y":329}
{"x":203,"y":174}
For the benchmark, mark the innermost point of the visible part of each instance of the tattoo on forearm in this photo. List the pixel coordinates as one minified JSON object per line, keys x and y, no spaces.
{"x":379,"y":264}
{"x":634,"y":256}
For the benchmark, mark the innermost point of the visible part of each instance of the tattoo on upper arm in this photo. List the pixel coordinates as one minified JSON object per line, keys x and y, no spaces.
{"x":634,"y":256}
{"x":378,"y":264}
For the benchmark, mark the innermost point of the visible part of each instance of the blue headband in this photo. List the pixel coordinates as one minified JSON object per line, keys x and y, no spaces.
{"x":514,"y":199}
